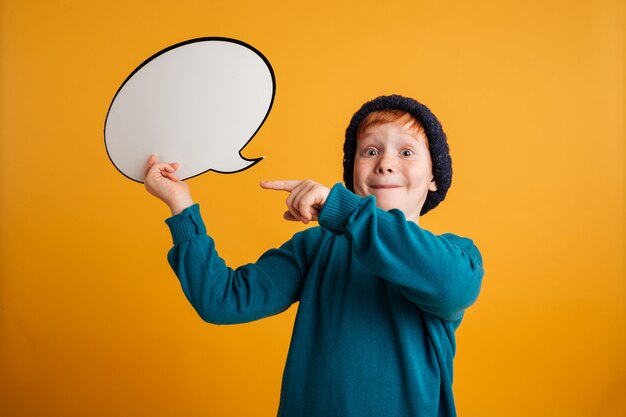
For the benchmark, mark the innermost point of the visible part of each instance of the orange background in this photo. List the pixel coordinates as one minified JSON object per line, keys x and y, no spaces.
{"x":532,"y":96}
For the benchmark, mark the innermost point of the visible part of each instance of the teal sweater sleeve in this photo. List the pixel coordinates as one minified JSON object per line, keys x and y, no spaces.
{"x":223,"y":295}
{"x":441,"y":274}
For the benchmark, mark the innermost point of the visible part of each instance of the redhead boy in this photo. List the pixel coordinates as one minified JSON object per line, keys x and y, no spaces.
{"x":380,"y":297}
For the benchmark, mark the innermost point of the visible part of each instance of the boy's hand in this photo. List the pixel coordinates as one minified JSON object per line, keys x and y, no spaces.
{"x":305,"y":199}
{"x":161,"y":182}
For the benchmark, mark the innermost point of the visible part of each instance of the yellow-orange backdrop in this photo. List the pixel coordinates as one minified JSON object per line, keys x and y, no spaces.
{"x":532,"y":95}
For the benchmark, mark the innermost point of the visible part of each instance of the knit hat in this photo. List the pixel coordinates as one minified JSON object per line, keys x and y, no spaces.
{"x":438,"y":146}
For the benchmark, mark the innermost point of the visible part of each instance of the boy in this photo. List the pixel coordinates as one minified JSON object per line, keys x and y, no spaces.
{"x":380,"y":297}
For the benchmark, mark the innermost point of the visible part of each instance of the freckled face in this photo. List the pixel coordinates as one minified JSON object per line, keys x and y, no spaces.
{"x":393,"y":164}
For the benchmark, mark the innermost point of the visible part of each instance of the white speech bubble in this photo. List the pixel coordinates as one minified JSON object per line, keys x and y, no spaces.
{"x":197,"y":103}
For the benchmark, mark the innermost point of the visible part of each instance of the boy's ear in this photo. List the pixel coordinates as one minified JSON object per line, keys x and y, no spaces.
{"x":433,"y":185}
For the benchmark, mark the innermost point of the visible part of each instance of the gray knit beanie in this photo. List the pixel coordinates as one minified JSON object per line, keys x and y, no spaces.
{"x":439,"y":151}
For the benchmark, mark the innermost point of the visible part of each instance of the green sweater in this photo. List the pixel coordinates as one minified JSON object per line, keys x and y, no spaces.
{"x":380,"y":300}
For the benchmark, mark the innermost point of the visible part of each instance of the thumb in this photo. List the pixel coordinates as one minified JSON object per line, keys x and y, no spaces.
{"x":288,"y":216}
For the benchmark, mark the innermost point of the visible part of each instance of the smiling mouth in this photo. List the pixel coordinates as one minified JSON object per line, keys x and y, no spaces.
{"x":384,"y":186}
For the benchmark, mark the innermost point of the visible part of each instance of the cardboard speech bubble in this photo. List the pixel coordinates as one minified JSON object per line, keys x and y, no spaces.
{"x":197,"y":103}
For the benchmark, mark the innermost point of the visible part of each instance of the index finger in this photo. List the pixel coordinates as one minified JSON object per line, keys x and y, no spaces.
{"x":280,"y":185}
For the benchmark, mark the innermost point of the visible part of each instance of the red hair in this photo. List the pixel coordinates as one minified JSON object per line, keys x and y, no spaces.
{"x":382,"y":117}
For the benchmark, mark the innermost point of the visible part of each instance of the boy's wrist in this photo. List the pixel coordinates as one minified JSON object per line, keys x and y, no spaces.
{"x":178,"y":206}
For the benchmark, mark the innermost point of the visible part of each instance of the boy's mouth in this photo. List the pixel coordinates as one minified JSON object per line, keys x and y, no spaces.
{"x":384,"y":186}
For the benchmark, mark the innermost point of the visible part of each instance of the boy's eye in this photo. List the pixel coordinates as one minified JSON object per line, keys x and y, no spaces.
{"x":406,"y":152}
{"x":371,"y":152}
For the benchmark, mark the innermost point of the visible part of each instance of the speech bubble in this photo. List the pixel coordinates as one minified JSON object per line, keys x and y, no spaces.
{"x":197,"y":103}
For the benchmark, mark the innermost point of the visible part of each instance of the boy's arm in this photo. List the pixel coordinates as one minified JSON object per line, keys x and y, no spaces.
{"x":441,"y":274}
{"x":222,"y":295}
{"x":218,"y":293}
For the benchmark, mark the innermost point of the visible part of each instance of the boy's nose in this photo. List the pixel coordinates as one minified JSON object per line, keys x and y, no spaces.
{"x":386,"y":166}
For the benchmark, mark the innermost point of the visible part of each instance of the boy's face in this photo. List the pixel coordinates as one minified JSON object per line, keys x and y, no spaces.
{"x":393,"y":164}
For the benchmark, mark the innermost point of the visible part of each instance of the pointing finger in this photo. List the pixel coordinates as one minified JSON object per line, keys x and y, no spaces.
{"x":280,"y":185}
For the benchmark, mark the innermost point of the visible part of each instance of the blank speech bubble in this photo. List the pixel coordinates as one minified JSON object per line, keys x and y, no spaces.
{"x":198,"y":103}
